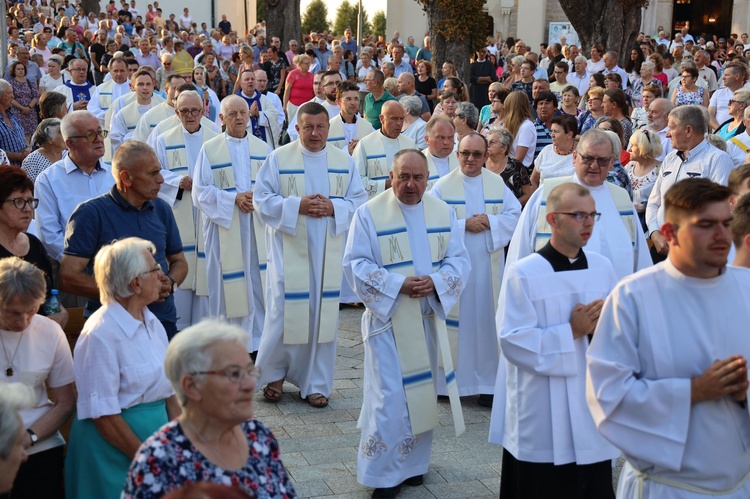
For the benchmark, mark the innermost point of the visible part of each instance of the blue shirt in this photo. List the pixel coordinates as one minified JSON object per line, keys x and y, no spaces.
{"x":543,"y":137}
{"x":12,"y":138}
{"x":352,"y":45}
{"x":101,"y":220}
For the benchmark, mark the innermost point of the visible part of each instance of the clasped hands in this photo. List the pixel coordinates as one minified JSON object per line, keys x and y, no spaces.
{"x":418,"y":287}
{"x":244,"y":202}
{"x":478,"y":223}
{"x":316,"y":206}
{"x":722,"y":378}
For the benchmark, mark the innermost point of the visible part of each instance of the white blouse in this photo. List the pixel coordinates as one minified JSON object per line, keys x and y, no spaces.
{"x":119,"y":362}
{"x":551,"y":165}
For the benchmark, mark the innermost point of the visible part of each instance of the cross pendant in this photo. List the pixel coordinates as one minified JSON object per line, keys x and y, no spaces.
{"x":9,"y":372}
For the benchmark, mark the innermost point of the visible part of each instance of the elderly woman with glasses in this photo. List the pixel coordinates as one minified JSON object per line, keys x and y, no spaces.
{"x":688,"y":92}
{"x":35,"y":353}
{"x":735,"y":124}
{"x":123,"y":394}
{"x":216,"y":439}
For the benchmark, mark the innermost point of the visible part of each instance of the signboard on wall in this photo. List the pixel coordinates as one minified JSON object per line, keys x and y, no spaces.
{"x":558,"y":31}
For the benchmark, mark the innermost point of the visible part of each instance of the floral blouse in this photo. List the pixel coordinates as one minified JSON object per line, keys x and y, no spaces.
{"x":168,"y":460}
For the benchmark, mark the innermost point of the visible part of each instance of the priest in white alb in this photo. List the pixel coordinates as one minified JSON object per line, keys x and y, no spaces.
{"x":618,"y":237}
{"x":549,"y":306}
{"x":374,"y":153}
{"x":407,"y":261}
{"x":124,"y":122}
{"x":106,"y":93}
{"x":234,"y":238}
{"x":306,"y":194}
{"x":667,"y":369}
{"x":159,"y":112}
{"x":173,"y":121}
{"x":440,"y":135}
{"x":487,"y":213}
{"x":348,"y":127}
{"x":178,"y":152}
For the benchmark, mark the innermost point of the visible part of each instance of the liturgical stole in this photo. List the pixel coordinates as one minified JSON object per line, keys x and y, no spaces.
{"x":377,"y":162}
{"x":407,"y":319}
{"x":105,"y":95}
{"x":177,"y":161}
{"x":433,"y":175}
{"x":452,"y":192}
{"x":233,"y":275}
{"x":297,"y":307}
{"x":337,"y":137}
{"x":622,"y":202}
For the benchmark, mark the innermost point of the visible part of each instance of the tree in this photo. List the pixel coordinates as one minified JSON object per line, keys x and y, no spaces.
{"x":282,"y":20}
{"x":612,"y":23}
{"x":347,"y":17}
{"x":457,"y":28}
{"x":260,"y":10}
{"x":92,"y":6}
{"x":315,"y":17}
{"x":378,"y":24}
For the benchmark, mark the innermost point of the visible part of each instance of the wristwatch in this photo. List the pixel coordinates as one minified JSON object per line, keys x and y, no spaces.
{"x":34,"y":437}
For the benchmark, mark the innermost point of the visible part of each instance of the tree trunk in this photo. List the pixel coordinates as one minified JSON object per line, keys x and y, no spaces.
{"x":458,"y":52}
{"x":283,"y":19}
{"x":612,"y":23}
{"x":91,"y":6}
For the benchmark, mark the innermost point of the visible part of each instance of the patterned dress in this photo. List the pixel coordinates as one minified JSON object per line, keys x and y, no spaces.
{"x":689,"y":98}
{"x":24,"y":92}
{"x":168,"y":460}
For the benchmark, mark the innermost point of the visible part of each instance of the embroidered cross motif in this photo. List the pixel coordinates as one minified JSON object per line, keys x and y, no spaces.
{"x":407,"y":445}
{"x":452,"y":282}
{"x":371,"y":288}
{"x":372,"y":448}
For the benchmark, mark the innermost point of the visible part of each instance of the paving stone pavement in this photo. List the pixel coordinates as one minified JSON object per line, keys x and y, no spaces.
{"x":319,"y":446}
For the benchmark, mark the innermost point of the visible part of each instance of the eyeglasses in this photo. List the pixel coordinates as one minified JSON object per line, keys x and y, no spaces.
{"x":190,"y":112}
{"x":76,"y":69}
{"x":235,"y":374}
{"x":588,"y":160}
{"x":473,"y":154}
{"x":733,"y":101}
{"x":580,"y":216}
{"x":21,"y":203}
{"x":155,"y":269}
{"x":91,"y":136}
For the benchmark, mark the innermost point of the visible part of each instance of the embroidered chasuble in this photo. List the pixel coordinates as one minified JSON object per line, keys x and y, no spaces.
{"x":297,"y":306}
{"x":230,"y":241}
{"x":440,"y":168}
{"x":79,"y":92}
{"x":374,"y":156}
{"x":191,"y":233}
{"x":395,"y":251}
{"x":452,"y":192}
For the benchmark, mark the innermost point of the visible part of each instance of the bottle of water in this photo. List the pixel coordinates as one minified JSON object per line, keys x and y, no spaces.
{"x":52,"y":306}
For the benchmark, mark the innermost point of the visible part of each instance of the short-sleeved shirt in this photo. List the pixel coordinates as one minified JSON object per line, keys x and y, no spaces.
{"x":373,"y":107}
{"x":526,"y":137}
{"x":103,"y":219}
{"x":168,"y":460}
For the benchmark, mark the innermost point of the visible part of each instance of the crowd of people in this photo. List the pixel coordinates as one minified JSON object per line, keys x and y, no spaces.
{"x":555,"y":229}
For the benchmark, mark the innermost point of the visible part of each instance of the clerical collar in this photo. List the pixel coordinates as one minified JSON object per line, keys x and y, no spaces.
{"x":343,"y":120}
{"x":560,"y":262}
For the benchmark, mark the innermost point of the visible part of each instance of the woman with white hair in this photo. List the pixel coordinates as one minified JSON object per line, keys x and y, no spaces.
{"x":123,"y":394}
{"x":735,"y":124}
{"x":646,"y":78}
{"x":643,"y":168}
{"x":216,"y":439}
{"x":14,"y":397}
{"x":466,"y":120}
{"x":36,"y":353}
{"x":414,"y":126}
{"x":51,"y":148}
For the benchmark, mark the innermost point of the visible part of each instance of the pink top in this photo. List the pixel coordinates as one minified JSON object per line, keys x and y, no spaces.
{"x":301,"y":87}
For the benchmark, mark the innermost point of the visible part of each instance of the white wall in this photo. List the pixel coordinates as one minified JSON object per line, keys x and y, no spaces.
{"x":200,"y":11}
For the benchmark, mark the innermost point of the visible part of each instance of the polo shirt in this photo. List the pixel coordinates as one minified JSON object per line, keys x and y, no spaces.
{"x":373,"y":107}
{"x":543,"y":137}
{"x":101,"y":220}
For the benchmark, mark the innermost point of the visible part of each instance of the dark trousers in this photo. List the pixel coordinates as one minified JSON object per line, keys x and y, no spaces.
{"x":41,"y":476}
{"x":170,"y":328}
{"x":525,"y":480}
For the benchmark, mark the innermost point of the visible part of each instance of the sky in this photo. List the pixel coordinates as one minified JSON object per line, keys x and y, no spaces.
{"x":370,"y":6}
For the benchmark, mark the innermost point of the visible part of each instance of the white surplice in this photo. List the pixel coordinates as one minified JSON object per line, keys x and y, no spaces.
{"x":610,"y":237}
{"x":539,"y":412}
{"x":657,"y":331}
{"x":389,"y":452}
{"x":309,"y":366}
{"x":478,"y":353}
{"x":217,"y":207}
{"x":191,"y":308}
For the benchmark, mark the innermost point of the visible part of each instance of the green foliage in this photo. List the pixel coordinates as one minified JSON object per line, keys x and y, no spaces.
{"x":346,"y":17}
{"x":378,"y":24}
{"x":459,"y":19}
{"x":260,"y":10}
{"x":315,"y":17}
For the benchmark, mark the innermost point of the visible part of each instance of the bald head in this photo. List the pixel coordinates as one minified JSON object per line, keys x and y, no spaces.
{"x":391,"y":119}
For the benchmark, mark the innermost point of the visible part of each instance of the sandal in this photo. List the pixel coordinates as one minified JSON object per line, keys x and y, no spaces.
{"x":268,"y":390}
{"x":313,"y":398}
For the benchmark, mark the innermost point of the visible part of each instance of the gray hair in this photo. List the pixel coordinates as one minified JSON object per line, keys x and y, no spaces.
{"x":228,"y":100}
{"x":717,"y":141}
{"x":117,"y":264}
{"x":503,"y":134}
{"x":412,"y":105}
{"x":689,"y":116}
{"x":580,"y":58}
{"x":128,"y":156}
{"x":20,"y":279}
{"x":14,"y":397}
{"x":518,"y":60}
{"x":4,"y":86}
{"x":596,"y":136}
{"x":189,"y":93}
{"x":469,"y":111}
{"x":615,"y":139}
{"x":188,"y":351}
{"x":384,"y":65}
{"x":47,"y":131}
{"x":648,"y":65}
{"x":69,"y":124}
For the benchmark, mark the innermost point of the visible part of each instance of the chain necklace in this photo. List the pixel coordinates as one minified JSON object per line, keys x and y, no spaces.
{"x":10,"y":371}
